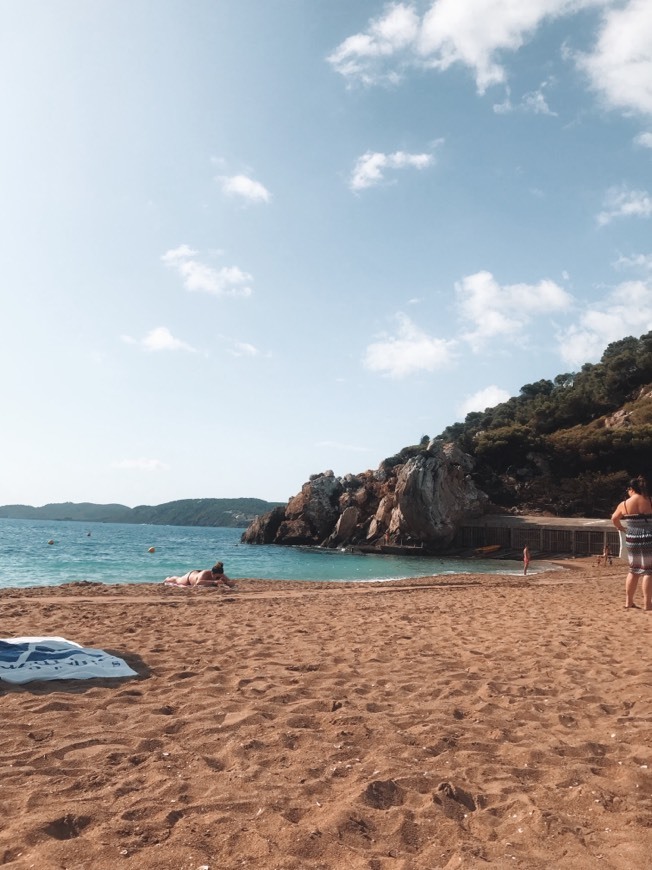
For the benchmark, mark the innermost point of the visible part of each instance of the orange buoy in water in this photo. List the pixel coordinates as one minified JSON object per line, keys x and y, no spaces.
{"x":50,"y":541}
{"x":152,"y":550}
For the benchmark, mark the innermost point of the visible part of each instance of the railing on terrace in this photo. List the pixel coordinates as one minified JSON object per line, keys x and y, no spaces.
{"x":546,"y":535}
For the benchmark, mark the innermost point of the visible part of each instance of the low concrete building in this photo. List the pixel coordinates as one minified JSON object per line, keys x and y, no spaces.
{"x":577,"y":536}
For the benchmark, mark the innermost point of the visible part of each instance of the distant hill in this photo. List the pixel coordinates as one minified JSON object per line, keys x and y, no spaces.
{"x":223,"y":512}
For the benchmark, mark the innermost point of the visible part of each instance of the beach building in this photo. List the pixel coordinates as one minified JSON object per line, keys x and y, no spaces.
{"x":576,"y":536}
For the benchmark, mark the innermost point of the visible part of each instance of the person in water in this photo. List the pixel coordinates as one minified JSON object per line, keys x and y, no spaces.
{"x":213,"y":577}
{"x":636,"y":512}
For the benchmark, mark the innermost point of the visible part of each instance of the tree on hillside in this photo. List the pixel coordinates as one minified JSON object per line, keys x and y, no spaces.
{"x":536,"y":444}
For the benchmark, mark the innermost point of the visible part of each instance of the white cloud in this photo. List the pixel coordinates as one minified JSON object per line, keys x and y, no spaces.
{"x":338,"y":445}
{"x":642,"y":262}
{"x":474,"y":33}
{"x":623,"y":202}
{"x":242,"y":348}
{"x":493,"y":310}
{"x":370,"y":168}
{"x":178,"y":255}
{"x":201,"y":278}
{"x":140,"y":464}
{"x":627,"y":310}
{"x":157,"y":339}
{"x":620,"y":65}
{"x":486,"y":398}
{"x":477,"y":32}
{"x":533,"y":102}
{"x":360,"y":56}
{"x":245,"y":187}
{"x":644,"y":140}
{"x":506,"y":106}
{"x":162,"y":339}
{"x":411,"y":350}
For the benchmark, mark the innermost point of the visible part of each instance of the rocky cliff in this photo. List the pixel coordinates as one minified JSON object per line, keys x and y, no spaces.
{"x":418,"y":497}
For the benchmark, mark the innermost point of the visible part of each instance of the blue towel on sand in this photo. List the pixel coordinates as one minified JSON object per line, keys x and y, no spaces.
{"x":54,"y":658}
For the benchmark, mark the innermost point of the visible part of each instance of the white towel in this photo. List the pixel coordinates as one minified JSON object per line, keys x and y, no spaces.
{"x":54,"y":658}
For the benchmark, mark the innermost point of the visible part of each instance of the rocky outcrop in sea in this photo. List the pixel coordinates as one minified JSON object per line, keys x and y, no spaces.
{"x":417,"y":498}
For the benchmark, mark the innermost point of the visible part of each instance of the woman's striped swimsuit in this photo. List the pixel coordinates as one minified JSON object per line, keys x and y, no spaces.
{"x":638,"y":537}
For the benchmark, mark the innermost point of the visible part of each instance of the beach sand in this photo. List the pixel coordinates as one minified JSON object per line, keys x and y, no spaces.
{"x":448,"y":722}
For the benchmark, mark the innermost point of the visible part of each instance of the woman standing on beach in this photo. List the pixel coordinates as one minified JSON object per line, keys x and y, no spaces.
{"x":636,"y":511}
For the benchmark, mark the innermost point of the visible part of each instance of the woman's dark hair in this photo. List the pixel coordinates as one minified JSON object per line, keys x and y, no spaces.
{"x":218,"y":568}
{"x":639,"y":485}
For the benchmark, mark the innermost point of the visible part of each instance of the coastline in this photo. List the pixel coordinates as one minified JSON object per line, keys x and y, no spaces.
{"x":456,"y":721}
{"x":122,"y":554}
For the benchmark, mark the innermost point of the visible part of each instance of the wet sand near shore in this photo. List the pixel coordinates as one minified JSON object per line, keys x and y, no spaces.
{"x":459,"y":721}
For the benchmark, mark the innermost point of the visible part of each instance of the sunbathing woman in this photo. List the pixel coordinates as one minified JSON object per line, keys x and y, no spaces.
{"x":214,"y":577}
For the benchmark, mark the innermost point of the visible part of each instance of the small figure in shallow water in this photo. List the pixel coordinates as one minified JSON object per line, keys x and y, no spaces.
{"x":213,"y":577}
{"x":526,"y":559}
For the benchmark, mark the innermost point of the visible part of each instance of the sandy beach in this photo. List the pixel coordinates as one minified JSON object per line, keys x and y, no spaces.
{"x":449,"y":722}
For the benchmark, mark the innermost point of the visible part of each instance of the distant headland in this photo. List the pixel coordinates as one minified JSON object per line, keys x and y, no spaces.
{"x":223,"y":512}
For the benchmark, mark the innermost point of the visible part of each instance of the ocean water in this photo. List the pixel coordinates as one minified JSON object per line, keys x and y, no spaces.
{"x":116,"y":553}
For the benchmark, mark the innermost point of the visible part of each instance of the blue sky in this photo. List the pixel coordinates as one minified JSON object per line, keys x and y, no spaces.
{"x":246,"y":241}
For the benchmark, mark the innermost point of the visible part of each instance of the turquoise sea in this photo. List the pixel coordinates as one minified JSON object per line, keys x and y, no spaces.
{"x":117,"y":553}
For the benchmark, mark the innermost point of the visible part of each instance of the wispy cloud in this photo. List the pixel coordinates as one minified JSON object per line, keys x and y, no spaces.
{"x":202,"y":278}
{"x":370,"y":169}
{"x":141,"y":464}
{"x":338,"y":445}
{"x":161,"y":339}
{"x":640,"y":262}
{"x":536,"y":103}
{"x":532,"y":102}
{"x":157,"y":339}
{"x":410,"y":350}
{"x":621,"y":201}
{"x":244,"y":187}
{"x":242,"y":348}
{"x":627,"y":310}
{"x":506,"y":106}
{"x":483,"y":399}
{"x":644,"y":140}
{"x":490,"y":310}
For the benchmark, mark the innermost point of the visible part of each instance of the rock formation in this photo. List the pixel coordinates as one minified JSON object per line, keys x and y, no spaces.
{"x":417,"y":498}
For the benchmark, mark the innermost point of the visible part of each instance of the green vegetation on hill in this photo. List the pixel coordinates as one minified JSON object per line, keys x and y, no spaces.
{"x":567,"y":446}
{"x":84,"y":511}
{"x":223,"y":512}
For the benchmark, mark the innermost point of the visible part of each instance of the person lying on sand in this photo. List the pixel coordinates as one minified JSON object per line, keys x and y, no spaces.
{"x":214,"y":577}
